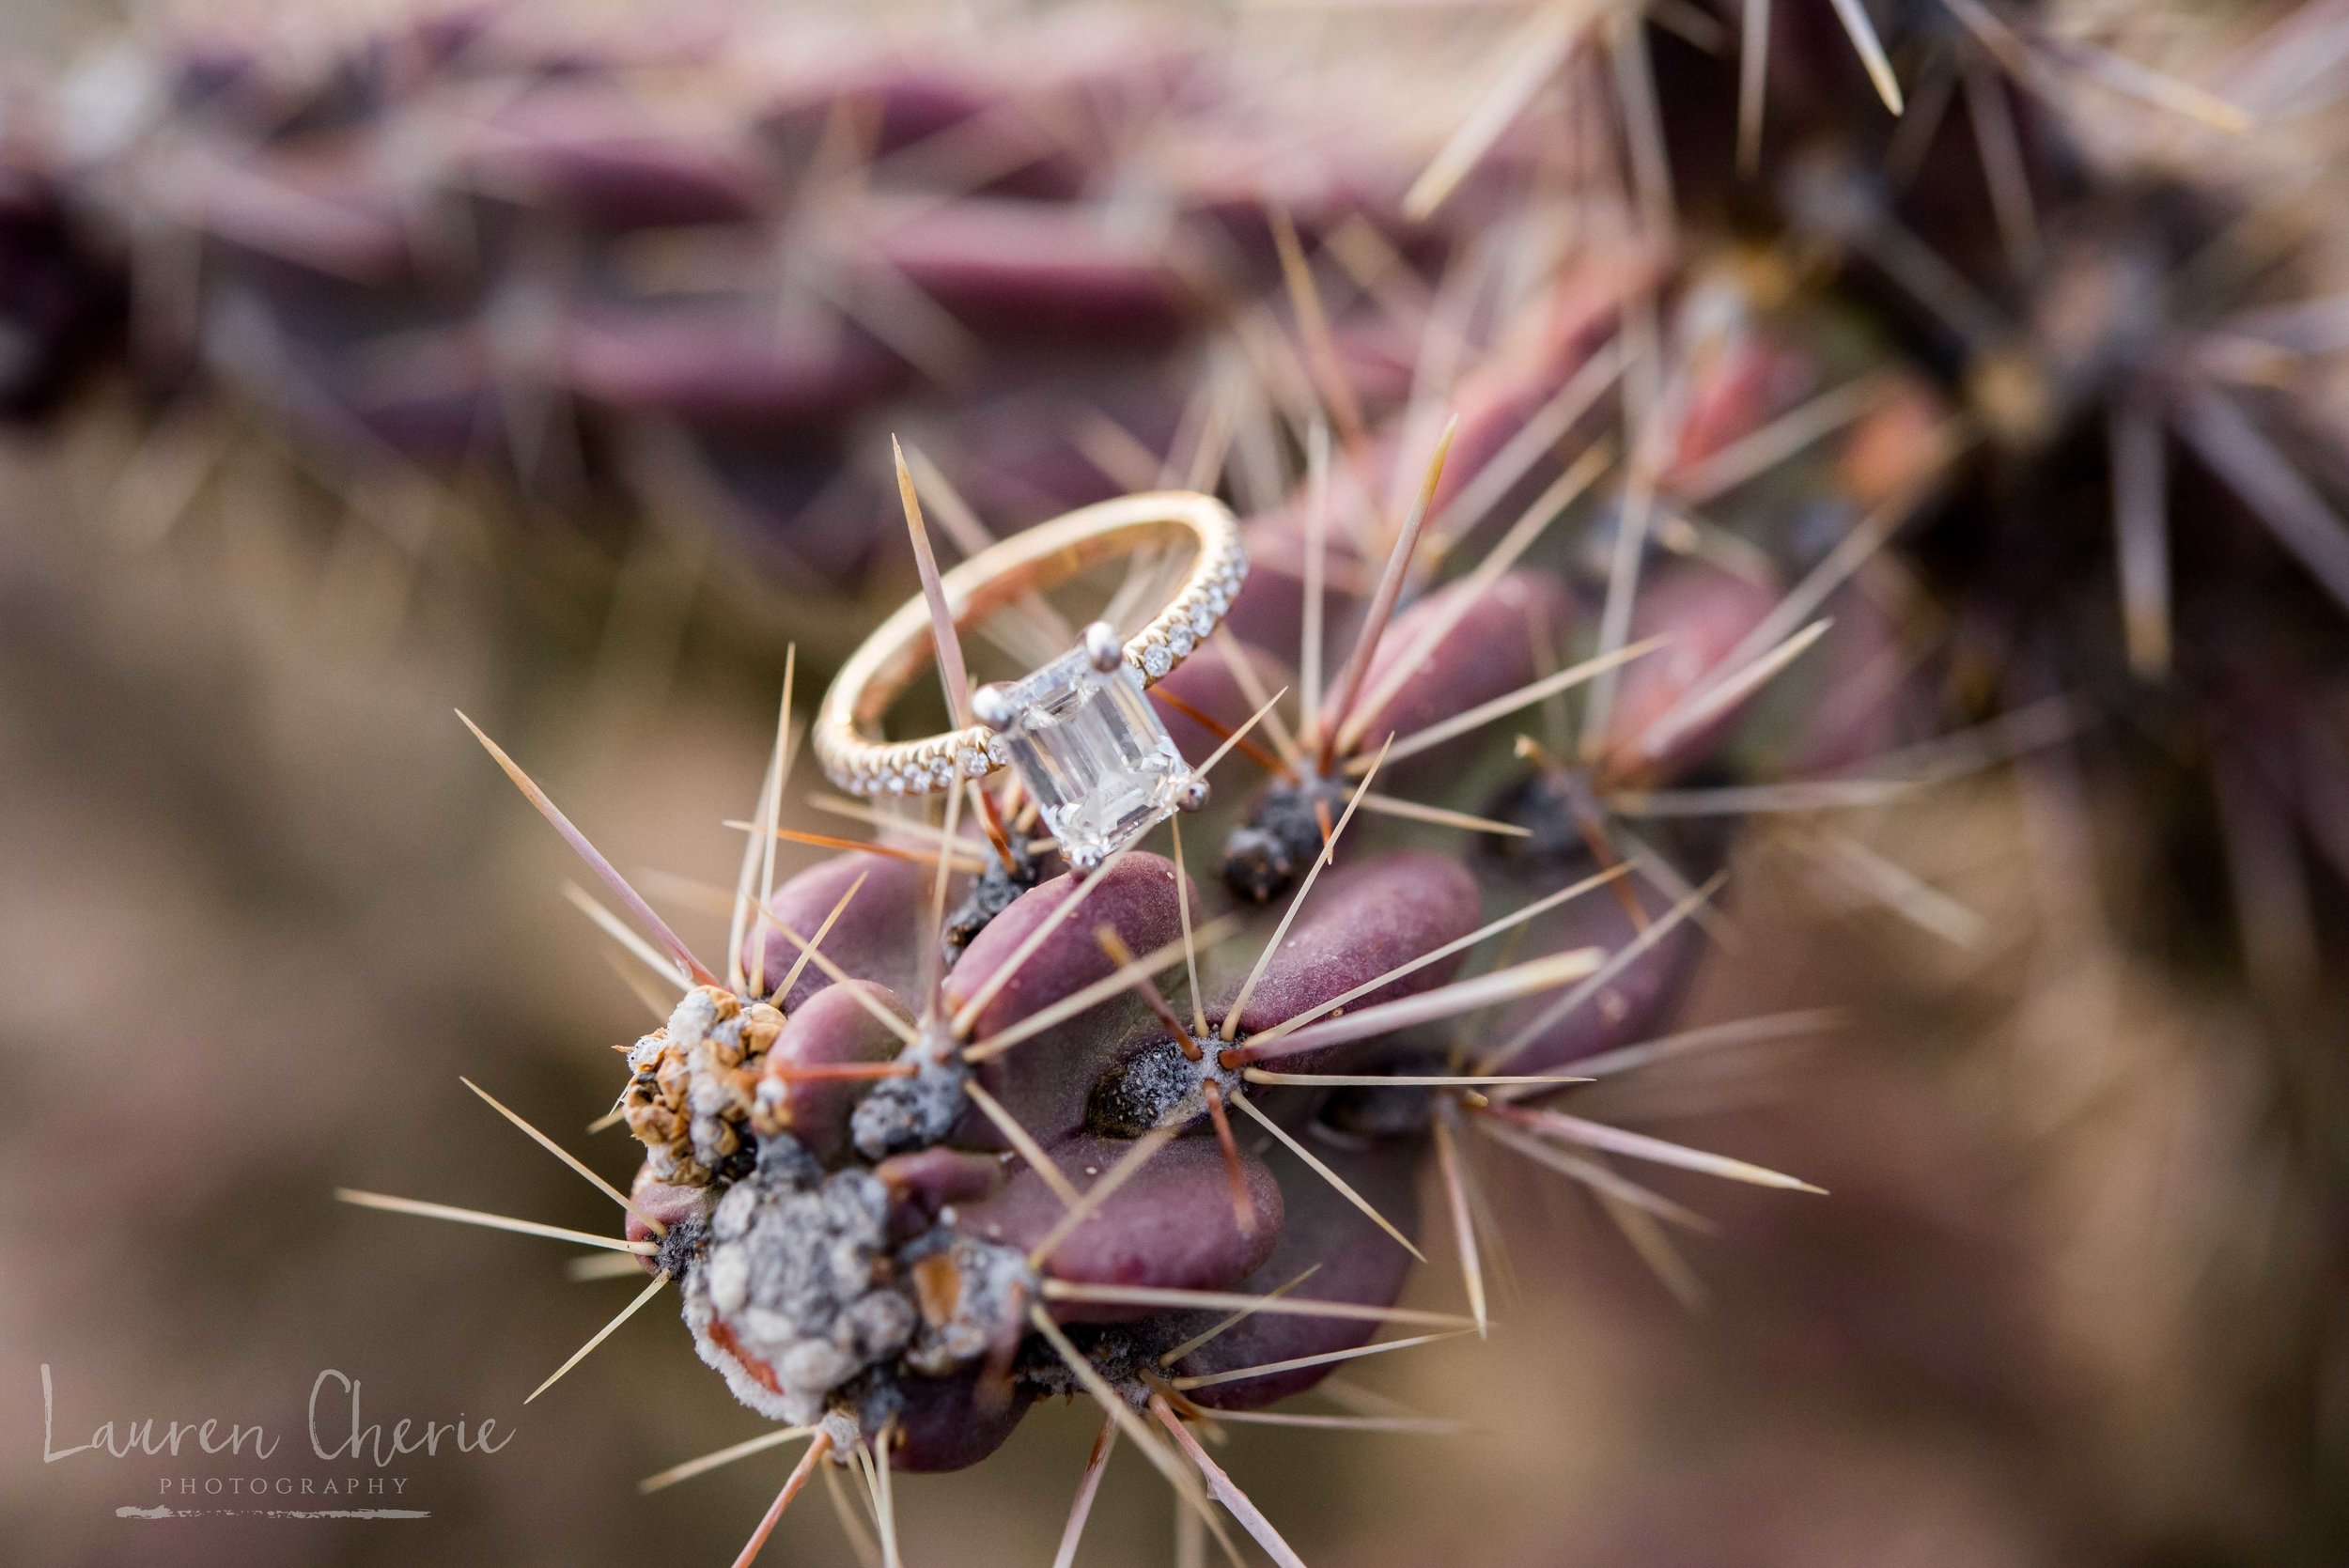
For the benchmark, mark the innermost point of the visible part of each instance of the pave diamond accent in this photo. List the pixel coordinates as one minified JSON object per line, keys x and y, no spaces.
{"x":1094,"y":754}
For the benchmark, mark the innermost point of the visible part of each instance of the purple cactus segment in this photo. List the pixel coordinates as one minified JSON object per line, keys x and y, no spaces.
{"x":1104,"y":1072}
{"x":1135,"y":898}
{"x":1743,"y":379}
{"x":1036,"y":266}
{"x":1173,"y":1224}
{"x":927,"y":1182}
{"x":588,"y":151}
{"x":949,"y":1424}
{"x":1034,"y":131}
{"x":314,"y":210}
{"x":1853,"y":702}
{"x":831,"y":1028}
{"x":1360,"y":923}
{"x":1490,"y":650}
{"x":1020,"y":446}
{"x":1270,"y":605}
{"x":1205,"y":684}
{"x":1053,"y":1080}
{"x":729,"y":368}
{"x":1703,"y":613}
{"x":873,"y":938}
{"x":1633,"y":1002}
{"x":909,"y":101}
{"x":1340,"y":1255}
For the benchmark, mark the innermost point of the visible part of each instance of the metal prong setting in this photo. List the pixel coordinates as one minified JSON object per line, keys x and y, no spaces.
{"x":1103,"y":647}
{"x":991,"y":705}
{"x":1194,"y":794}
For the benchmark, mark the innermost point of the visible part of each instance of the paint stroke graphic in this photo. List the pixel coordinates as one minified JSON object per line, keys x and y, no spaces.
{"x":160,"y":1511}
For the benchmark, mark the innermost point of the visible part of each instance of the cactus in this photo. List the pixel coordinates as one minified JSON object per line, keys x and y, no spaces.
{"x":937,"y":1144}
{"x":1752,"y":465}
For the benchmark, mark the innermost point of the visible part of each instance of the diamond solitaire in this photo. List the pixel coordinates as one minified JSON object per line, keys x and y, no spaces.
{"x":1089,"y":748}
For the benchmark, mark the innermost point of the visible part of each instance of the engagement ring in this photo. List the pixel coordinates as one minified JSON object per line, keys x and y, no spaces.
{"x":1085,"y":740}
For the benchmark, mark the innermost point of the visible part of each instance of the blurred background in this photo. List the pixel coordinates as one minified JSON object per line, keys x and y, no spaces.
{"x":283,"y":498}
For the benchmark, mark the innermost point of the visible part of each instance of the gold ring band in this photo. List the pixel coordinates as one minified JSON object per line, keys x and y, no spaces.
{"x":1039,"y":557}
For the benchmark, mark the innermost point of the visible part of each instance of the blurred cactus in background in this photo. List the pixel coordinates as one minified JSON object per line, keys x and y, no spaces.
{"x":698,"y":270}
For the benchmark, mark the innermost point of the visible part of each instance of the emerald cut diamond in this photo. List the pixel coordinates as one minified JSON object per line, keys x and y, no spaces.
{"x":1092,"y":753}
